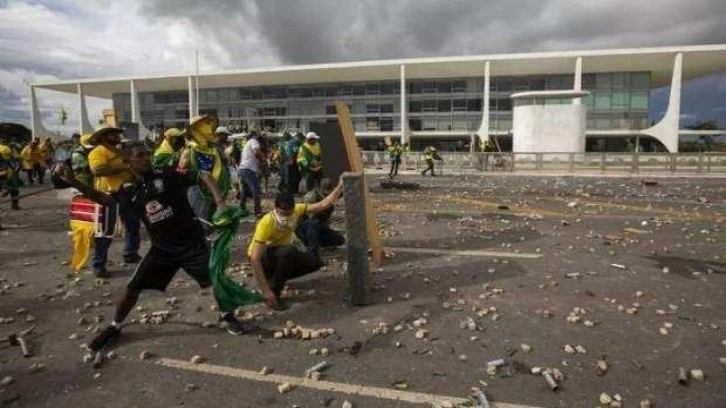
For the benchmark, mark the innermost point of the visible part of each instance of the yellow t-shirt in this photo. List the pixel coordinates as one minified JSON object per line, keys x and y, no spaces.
{"x":102,"y":156}
{"x":267,"y":233}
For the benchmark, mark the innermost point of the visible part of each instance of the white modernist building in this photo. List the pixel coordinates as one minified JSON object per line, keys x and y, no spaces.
{"x":598,"y":94}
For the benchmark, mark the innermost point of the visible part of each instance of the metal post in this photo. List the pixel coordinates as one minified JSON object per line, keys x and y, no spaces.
{"x":572,"y":162}
{"x":357,"y":242}
{"x":404,"y":107}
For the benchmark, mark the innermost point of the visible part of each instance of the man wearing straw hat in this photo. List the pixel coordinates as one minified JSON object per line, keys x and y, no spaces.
{"x":110,"y":172}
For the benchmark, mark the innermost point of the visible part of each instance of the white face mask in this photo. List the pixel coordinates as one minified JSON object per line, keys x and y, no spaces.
{"x":284,"y":222}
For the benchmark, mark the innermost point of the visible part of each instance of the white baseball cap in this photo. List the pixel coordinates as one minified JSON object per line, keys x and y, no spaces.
{"x":222,"y":130}
{"x":312,"y":135}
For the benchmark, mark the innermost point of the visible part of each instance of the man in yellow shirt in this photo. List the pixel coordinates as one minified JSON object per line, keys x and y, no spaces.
{"x":33,"y":162}
{"x":8,"y":177}
{"x":273,"y":257}
{"x":110,"y":172}
{"x":310,"y":160}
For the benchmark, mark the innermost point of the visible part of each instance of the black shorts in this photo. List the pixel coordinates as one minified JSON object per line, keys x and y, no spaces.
{"x":158,"y":268}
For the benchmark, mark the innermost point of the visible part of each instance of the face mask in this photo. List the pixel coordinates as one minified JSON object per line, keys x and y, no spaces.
{"x":284,"y":222}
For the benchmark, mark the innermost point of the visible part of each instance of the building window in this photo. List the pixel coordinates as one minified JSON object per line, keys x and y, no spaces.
{"x":445,"y":87}
{"x":387,"y":88}
{"x":602,"y":101}
{"x":414,"y":124}
{"x":386,"y":124}
{"x":459,"y":105}
{"x":359,"y":90}
{"x":429,"y":87}
{"x":474,"y":105}
{"x":344,"y":90}
{"x":373,"y":89}
{"x":414,"y":87}
{"x":331,"y":90}
{"x":639,"y":101}
{"x":372,"y":124}
{"x":386,"y":107}
{"x":621,"y":100}
{"x":444,"y":105}
{"x":415,"y":106}
{"x":458,"y":87}
{"x":429,"y":106}
{"x":603,"y":82}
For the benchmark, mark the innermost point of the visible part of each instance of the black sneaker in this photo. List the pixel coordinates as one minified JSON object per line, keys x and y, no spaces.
{"x":132,"y":258}
{"x":101,"y":272}
{"x":234,"y":326}
{"x":106,"y":337}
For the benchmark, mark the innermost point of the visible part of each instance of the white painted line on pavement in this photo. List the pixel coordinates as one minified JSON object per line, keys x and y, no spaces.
{"x":472,"y":252}
{"x":351,"y":389}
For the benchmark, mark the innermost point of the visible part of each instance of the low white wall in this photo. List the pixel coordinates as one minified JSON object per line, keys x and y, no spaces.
{"x":549,"y":128}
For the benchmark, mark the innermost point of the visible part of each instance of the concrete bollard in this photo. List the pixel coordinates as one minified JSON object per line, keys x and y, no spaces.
{"x":357,"y":242}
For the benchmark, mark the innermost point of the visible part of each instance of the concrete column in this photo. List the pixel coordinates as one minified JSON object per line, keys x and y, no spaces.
{"x":404,"y":108}
{"x":135,"y":112}
{"x":578,"y":80}
{"x":356,"y":239}
{"x":84,"y":125}
{"x":484,"y":128}
{"x":192,"y":99}
{"x":666,"y":131}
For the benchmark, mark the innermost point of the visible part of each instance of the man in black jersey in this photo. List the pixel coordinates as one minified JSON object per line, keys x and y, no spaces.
{"x":178,"y":239}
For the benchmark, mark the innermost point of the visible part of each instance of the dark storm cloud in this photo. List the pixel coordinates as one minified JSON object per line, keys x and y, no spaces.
{"x":327,"y":30}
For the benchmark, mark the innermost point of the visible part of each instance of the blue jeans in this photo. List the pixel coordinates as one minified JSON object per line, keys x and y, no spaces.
{"x":250,"y":179}
{"x":316,"y":234}
{"x":132,"y":224}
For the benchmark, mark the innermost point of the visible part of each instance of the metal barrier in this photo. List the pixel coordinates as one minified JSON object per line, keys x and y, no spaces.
{"x":465,"y":162}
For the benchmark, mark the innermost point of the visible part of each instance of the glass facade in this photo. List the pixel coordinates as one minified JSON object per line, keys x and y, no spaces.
{"x":617,"y":101}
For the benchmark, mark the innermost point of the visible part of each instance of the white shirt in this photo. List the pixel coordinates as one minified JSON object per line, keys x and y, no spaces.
{"x":249,"y":160}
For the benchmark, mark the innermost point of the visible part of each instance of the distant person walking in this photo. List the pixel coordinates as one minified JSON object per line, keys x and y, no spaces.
{"x":430,"y":154}
{"x":310,"y":160}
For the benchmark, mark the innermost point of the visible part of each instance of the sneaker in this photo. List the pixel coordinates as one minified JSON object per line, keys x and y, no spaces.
{"x":234,"y":326}
{"x":106,"y":337}
{"x":132,"y":258}
{"x":101,"y":272}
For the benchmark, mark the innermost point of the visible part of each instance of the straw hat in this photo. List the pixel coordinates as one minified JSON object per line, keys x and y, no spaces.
{"x":203,"y":127}
{"x":95,"y":137}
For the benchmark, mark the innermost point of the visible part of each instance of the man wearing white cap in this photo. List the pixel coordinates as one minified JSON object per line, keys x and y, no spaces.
{"x":310,"y":160}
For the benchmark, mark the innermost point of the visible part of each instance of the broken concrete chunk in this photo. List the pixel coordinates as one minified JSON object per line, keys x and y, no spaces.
{"x":196,"y":359}
{"x":422,"y":333}
{"x":525,"y":347}
{"x":580,"y":349}
{"x":605,"y":399}
{"x":569,"y":349}
{"x":602,"y":367}
{"x":284,"y":388}
{"x":145,"y":355}
{"x":697,"y":374}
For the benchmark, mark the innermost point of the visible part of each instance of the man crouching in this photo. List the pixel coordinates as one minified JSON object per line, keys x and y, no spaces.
{"x":178,"y":239}
{"x":273,"y":257}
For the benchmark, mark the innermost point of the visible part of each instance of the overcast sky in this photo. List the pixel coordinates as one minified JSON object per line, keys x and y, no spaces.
{"x":47,"y":39}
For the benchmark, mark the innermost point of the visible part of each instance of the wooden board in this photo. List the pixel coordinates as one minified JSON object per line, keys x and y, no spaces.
{"x":356,"y":165}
